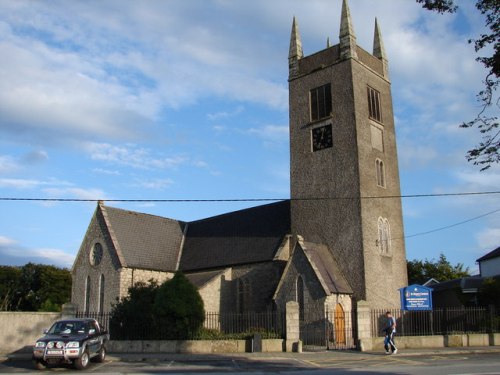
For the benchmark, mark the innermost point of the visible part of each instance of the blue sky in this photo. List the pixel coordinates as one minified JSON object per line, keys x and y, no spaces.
{"x":122,"y":99}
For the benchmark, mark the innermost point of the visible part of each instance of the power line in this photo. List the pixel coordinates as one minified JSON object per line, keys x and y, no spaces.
{"x":452,"y":225}
{"x":247,"y":199}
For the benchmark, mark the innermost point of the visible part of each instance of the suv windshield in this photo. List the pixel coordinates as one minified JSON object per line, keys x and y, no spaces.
{"x":68,"y":328}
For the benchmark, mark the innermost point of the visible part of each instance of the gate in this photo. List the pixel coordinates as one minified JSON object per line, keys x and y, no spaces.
{"x":327,"y":329}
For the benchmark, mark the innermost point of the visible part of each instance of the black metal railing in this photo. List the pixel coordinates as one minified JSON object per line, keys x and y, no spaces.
{"x":441,"y":321}
{"x":217,"y":326}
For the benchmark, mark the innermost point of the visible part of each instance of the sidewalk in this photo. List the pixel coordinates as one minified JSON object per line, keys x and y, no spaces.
{"x":160,"y":357}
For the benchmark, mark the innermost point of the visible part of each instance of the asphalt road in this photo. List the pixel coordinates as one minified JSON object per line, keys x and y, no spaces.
{"x":303,"y":364}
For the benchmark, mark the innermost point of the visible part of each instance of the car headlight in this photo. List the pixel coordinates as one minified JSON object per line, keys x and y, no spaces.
{"x":73,"y":344}
{"x":59,"y":345}
{"x":50,"y":344}
{"x":40,"y":344}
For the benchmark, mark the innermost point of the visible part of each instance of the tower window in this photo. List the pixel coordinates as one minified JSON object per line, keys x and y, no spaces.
{"x":321,"y":102}
{"x":374,"y":105}
{"x":384,"y":236}
{"x":380,"y":169}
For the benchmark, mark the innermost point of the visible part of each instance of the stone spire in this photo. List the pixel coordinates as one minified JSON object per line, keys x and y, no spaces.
{"x":347,"y":36}
{"x":295,"y":53}
{"x":379,"y":50}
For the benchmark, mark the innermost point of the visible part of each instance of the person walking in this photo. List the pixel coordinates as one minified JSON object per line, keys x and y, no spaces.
{"x":390,"y":330}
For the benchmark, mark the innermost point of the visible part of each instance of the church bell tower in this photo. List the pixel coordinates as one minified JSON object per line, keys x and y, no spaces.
{"x":344,"y":170}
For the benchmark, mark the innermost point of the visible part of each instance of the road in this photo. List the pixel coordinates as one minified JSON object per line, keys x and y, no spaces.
{"x":300,"y":364}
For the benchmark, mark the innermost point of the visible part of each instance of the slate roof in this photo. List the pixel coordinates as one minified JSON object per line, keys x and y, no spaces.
{"x":145,"y":241}
{"x":492,"y":254}
{"x":326,"y":265}
{"x":468,"y":282}
{"x":240,"y":237}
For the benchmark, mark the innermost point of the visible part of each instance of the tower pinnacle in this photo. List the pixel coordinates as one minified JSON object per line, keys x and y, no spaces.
{"x":296,"y":52}
{"x":347,"y":36}
{"x":379,"y":50}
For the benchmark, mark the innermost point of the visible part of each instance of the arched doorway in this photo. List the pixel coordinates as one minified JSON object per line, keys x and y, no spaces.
{"x":339,"y":324}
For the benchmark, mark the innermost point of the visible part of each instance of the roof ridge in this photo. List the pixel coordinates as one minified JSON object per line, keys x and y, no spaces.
{"x":143,"y":214}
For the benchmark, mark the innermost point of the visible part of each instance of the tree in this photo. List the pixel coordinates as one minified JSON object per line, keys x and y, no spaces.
{"x":179,"y":308}
{"x":132,"y":317}
{"x":34,"y":287}
{"x":489,"y":292}
{"x":420,"y":271}
{"x":8,"y":290}
{"x":174,"y":310}
{"x":487,"y":152}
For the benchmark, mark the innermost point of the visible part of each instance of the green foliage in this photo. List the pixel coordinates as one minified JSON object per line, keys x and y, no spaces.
{"x":487,"y":151}
{"x":440,"y":6}
{"x":420,"y":271}
{"x":133,"y":317}
{"x":34,"y":287}
{"x":173,"y":310}
{"x":213,"y":334}
{"x":8,"y":284}
{"x":489,"y":293}
{"x":179,"y":308}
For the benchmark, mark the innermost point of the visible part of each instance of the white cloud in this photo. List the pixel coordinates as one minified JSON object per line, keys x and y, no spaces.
{"x":11,"y":249}
{"x":8,"y":164}
{"x":157,"y":183}
{"x":132,"y":156}
{"x":225,"y":114}
{"x":275,"y":133}
{"x":489,"y":238}
{"x":413,"y":155}
{"x":5,"y":241}
{"x":480,"y":181}
{"x":106,"y":171}
{"x":19,"y":183}
{"x":77,"y":193}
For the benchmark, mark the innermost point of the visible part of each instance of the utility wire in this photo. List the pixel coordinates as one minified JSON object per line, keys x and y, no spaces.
{"x":248,"y":199}
{"x":452,"y":225}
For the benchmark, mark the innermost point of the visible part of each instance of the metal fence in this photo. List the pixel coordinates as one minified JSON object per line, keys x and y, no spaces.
{"x":327,"y":329}
{"x":270,"y":323}
{"x":442,"y":321}
{"x":216,"y":326}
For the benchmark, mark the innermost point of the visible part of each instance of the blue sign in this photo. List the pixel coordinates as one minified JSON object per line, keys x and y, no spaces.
{"x":416,"y":297}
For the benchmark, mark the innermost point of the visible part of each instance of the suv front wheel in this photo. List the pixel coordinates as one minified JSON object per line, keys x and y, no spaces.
{"x":82,"y":362}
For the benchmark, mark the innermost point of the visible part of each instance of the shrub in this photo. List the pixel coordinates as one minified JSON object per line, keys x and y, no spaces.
{"x":178,"y":309}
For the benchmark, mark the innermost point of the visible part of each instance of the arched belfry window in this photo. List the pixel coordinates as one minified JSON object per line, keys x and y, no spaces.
{"x":384,"y":236}
{"x":299,"y":296}
{"x":87,"y":295}
{"x":380,"y":170}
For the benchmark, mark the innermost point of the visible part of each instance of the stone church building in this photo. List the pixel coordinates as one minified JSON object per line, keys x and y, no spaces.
{"x":338,"y":240}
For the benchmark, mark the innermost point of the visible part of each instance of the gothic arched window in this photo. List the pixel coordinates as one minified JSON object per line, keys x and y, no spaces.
{"x":87,"y":295}
{"x":384,"y":236}
{"x":243,"y":295}
{"x":380,"y":170}
{"x":101,"y":294}
{"x":299,"y":297}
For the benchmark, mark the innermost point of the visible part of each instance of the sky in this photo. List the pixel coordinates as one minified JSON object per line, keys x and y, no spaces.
{"x":171,"y":99}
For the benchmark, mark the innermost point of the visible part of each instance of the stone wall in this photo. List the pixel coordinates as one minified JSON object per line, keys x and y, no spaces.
{"x":20,"y":330}
{"x":437,"y":341}
{"x":130,"y":276}
{"x":263,"y":279}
